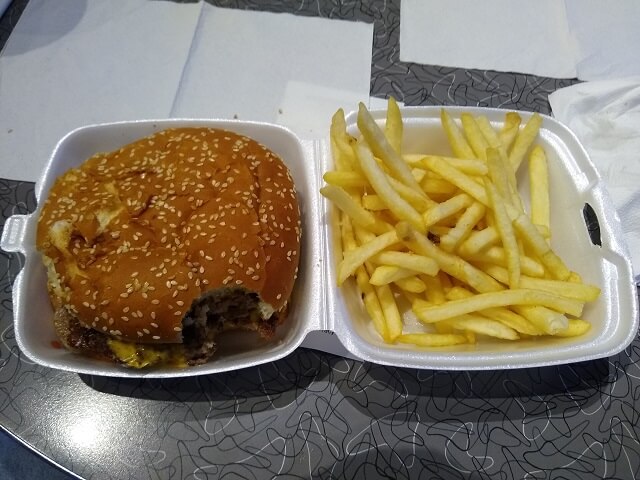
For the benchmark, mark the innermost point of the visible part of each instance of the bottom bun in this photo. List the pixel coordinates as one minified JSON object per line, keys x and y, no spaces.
{"x":215,"y":312}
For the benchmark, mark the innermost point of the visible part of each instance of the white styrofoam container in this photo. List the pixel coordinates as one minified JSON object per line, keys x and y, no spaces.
{"x":317,"y":305}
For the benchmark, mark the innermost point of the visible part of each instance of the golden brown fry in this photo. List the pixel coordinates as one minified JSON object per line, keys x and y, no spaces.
{"x":435,"y":290}
{"x":380,"y":184}
{"x":459,"y":145}
{"x":500,"y":314}
{"x":539,"y":188}
{"x":507,"y":235}
{"x":411,"y":284}
{"x":446,"y":209}
{"x":392,"y":317}
{"x":497,"y":256}
{"x":575,"y":328}
{"x":577,"y":291}
{"x":393,"y":128}
{"x":373,"y":202}
{"x":451,"y":264}
{"x":474,"y":135}
{"x":356,"y":257}
{"x":483,"y":326}
{"x":509,"y":129}
{"x":530,"y":234}
{"x":457,"y":178}
{"x":464,"y":225}
{"x":410,"y":261}
{"x":386,"y":274}
{"x":436,"y":186}
{"x":544,"y":319}
{"x":470,"y":166}
{"x":369,"y":296}
{"x":432,"y":339}
{"x":353,"y":209}
{"x":345,"y":179}
{"x":524,"y":140}
{"x":479,"y":240}
{"x":343,"y":155}
{"x":502,"y":298}
{"x":381,"y":148}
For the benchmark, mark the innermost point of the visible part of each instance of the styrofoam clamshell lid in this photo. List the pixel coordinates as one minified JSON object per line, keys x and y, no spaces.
{"x":317,"y":304}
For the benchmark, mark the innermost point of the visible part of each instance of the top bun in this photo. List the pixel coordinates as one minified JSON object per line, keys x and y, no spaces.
{"x":133,"y":238}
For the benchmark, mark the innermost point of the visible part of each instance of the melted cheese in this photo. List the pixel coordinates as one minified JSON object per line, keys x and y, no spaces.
{"x":140,"y":356}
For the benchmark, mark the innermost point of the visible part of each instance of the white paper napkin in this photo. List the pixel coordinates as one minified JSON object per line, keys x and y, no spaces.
{"x":605,"y":116}
{"x":70,"y":63}
{"x":587,"y":39}
{"x":75,"y":62}
{"x":608,"y":37}
{"x":504,"y":35}
{"x":276,"y":68}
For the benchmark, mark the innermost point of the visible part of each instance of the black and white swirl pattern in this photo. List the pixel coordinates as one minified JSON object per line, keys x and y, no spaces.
{"x":314,"y":415}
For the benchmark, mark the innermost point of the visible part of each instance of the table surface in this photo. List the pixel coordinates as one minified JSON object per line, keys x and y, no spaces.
{"x":317,"y":415}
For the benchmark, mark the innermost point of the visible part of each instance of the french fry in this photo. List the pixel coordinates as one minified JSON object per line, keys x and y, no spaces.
{"x":419,"y":202}
{"x":503,"y":298}
{"x":436,"y":186}
{"x":484,"y":326}
{"x":411,"y":284}
{"x":500,"y":314}
{"x":575,"y":290}
{"x":369,"y":296}
{"x":452,"y":264}
{"x":539,"y":188}
{"x":392,"y":317}
{"x":435,"y":290}
{"x":469,"y":219}
{"x":386,"y":274}
{"x":509,"y":130}
{"x":345,"y":179}
{"x":459,"y":145}
{"x":505,"y":231}
{"x":380,"y":184}
{"x":393,"y":128}
{"x":470,"y":166}
{"x":381,"y":148}
{"x":545,"y":319}
{"x":446,"y":209}
{"x":530,"y":234}
{"x":410,"y":261}
{"x":474,"y":136}
{"x":373,"y":202}
{"x":524,"y":140}
{"x":496,"y":256}
{"x":341,"y":141}
{"x":356,"y":257}
{"x":353,"y":209}
{"x":575,"y":328}
{"x":457,"y":178}
{"x":432,"y":339}
{"x":478,"y":241}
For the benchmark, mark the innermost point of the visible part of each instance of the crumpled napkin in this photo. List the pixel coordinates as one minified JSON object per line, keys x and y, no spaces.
{"x":605,"y":116}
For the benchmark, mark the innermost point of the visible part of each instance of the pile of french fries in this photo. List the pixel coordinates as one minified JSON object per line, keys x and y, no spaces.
{"x":450,"y":236}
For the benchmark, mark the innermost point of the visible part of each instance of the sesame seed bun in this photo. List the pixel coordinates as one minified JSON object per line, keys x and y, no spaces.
{"x":185,"y":233}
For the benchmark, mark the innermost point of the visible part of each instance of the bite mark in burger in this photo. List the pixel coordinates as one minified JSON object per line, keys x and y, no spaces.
{"x":155,"y":249}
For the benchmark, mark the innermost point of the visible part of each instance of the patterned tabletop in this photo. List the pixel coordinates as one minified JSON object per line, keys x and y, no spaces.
{"x":314,"y":415}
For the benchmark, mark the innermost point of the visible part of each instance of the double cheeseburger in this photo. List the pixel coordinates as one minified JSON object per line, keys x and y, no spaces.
{"x":155,"y":249}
